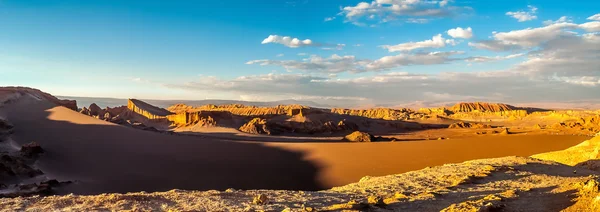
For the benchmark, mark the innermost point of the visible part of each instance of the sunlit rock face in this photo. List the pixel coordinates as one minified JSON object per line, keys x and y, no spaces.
{"x":482,"y":107}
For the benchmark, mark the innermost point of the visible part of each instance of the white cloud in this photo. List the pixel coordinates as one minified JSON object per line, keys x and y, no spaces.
{"x":522,"y":16}
{"x":349,"y":63}
{"x":417,"y":20}
{"x":525,"y":38}
{"x":333,"y":64}
{"x":443,"y":3}
{"x":389,"y":62}
{"x":559,"y":63}
{"x":482,"y":59}
{"x":594,"y":17}
{"x":280,"y":55}
{"x":287,"y":41}
{"x":461,"y":33}
{"x":436,"y":41}
{"x":593,"y":26}
{"x":562,"y":19}
{"x":295,"y":42}
{"x":494,"y":45}
{"x":401,"y":87}
{"x":329,"y":19}
{"x":411,"y":11}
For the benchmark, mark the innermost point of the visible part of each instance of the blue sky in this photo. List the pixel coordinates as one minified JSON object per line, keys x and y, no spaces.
{"x":214,"y":49}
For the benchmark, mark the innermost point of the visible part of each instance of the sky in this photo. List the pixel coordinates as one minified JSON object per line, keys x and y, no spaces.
{"x":382,"y":52}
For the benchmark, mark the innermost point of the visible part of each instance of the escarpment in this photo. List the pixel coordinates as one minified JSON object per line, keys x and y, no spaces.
{"x":482,"y":107}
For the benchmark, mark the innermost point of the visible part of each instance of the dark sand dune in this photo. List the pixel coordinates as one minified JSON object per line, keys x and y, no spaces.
{"x":105,"y":157}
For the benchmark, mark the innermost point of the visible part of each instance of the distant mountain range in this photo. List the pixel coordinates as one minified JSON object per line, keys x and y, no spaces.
{"x":113,"y":102}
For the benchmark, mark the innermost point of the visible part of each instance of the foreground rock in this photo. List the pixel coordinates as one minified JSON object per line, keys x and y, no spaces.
{"x":18,"y":174}
{"x":585,"y":154}
{"x":31,"y":150}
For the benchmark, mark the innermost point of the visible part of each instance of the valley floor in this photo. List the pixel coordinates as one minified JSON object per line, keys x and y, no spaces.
{"x":102,"y":157}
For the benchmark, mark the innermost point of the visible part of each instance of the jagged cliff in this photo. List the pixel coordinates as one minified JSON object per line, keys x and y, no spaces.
{"x":149,"y":111}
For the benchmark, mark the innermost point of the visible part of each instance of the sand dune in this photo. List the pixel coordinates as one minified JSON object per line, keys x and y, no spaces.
{"x":104,"y":157}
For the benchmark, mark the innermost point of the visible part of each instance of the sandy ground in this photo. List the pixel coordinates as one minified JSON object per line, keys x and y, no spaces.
{"x":500,"y":184}
{"x":103,"y":157}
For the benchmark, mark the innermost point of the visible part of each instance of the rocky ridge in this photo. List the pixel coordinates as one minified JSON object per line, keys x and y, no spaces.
{"x":481,"y":107}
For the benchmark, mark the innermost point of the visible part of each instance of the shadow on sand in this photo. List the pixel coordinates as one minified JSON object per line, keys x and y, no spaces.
{"x":112,"y":158}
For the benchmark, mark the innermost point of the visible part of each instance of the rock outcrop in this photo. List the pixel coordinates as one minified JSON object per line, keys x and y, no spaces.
{"x":95,"y":110}
{"x":469,"y":125}
{"x":18,"y":175}
{"x":482,"y":107}
{"x":257,"y":126}
{"x":590,"y":125}
{"x":376,"y":113}
{"x":358,"y":136}
{"x":5,"y":129}
{"x":242,"y":110}
{"x":32,"y":149}
{"x":586,"y":154}
{"x":147,"y":110}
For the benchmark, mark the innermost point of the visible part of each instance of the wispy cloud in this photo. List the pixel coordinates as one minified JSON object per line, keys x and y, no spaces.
{"x":523,"y":16}
{"x":295,"y":42}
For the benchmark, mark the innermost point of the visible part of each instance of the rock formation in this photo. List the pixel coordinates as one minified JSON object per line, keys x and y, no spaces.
{"x":481,"y":107}
{"x":376,"y":113}
{"x":358,"y":136}
{"x":18,"y":175}
{"x":5,"y":128}
{"x":32,"y":149}
{"x":149,"y":111}
{"x":586,"y":154}
{"x":590,"y":125}
{"x":505,"y":131}
{"x":95,"y":110}
{"x":240,"y":110}
{"x":469,"y":125}
{"x":257,"y":126}
{"x":435,"y":111}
